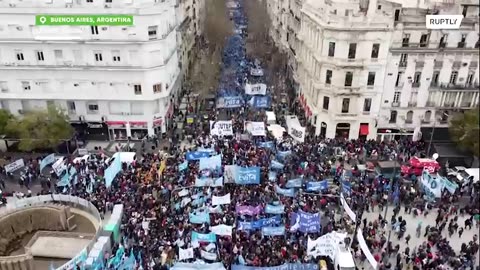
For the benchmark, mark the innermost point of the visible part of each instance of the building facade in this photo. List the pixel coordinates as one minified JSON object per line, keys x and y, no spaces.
{"x":114,"y":82}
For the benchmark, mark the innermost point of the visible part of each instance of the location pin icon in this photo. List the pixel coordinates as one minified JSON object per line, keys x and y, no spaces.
{"x":43,"y":19}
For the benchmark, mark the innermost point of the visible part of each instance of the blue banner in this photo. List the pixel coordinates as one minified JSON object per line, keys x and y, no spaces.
{"x":260,"y":101}
{"x":287,"y":266}
{"x":211,"y":163}
{"x":269,"y":145}
{"x":273,"y":231}
{"x":305,"y":222}
{"x":288,"y":192}
{"x":317,"y":186}
{"x":272,"y":176}
{"x":204,"y":237}
{"x":275,"y":209}
{"x":183,"y":166}
{"x":258,"y":224}
{"x":112,"y":171}
{"x":275,"y":165}
{"x":199,"y":217}
{"x":294,"y":183}
{"x":196,"y":155}
{"x":247,"y":176}
{"x":281,"y":155}
{"x":209,"y":182}
{"x":47,"y":161}
{"x":230,"y":102}
{"x":65,"y":180}
{"x":347,"y":187}
{"x":206,"y":266}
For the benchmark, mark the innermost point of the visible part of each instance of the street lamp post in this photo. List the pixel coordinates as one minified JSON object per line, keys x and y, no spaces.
{"x":433,"y":132}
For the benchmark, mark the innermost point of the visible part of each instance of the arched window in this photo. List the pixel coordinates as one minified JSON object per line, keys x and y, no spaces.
{"x":393,"y":117}
{"x":428,"y":116}
{"x":409,"y":118}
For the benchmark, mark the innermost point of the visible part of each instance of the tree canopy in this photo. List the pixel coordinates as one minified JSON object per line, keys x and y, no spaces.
{"x":5,"y":116}
{"x":40,"y":129}
{"x":464,"y":130}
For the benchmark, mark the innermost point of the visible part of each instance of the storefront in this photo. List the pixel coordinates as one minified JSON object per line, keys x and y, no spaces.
{"x":96,"y":131}
{"x":157,"y":125}
{"x":138,"y":129}
{"x":384,"y":134}
{"x":117,"y":130}
{"x":363,"y":131}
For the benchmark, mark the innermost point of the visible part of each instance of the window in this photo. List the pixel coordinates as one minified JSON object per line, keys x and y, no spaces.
{"x":416,"y":79}
{"x":453,"y":77}
{"x":58,"y":54}
{"x":393,"y":117}
{"x":367,"y":104}
{"x":331,"y":49}
{"x":470,"y":77}
{"x":4,"y":86}
{"x":443,"y":41}
{"x":137,"y":88}
{"x":436,"y":75}
{"x":399,"y":81}
{"x":328,"y":77}
{"x":26,"y":85}
{"x":371,"y":78}
{"x":152,"y":32}
{"x":157,"y":88}
{"x":409,"y":118}
{"x":424,"y":40}
{"x":403,"y":60}
{"x":428,"y":115}
{"x":345,"y":105}
{"x":19,"y":56}
{"x":397,"y":15}
{"x":92,"y":108}
{"x":94,"y":30}
{"x":89,"y":1}
{"x":405,"y":40}
{"x":375,"y":50}
{"x":108,"y":1}
{"x":352,"y":50}
{"x":326,"y":103}
{"x":71,"y":107}
{"x":348,"y":78}
{"x":464,"y":11}
{"x":396,"y":97}
{"x":461,"y":44}
{"x":116,"y":56}
{"x":40,"y":56}
{"x":98,"y":57}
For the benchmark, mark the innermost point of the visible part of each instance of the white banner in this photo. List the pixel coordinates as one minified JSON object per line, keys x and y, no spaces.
{"x":366,"y":251}
{"x":17,"y":164}
{"x":257,"y":72}
{"x":255,"y":128}
{"x":221,"y":128}
{"x":221,"y":200}
{"x":183,"y":193}
{"x":185,"y":254}
{"x":256,"y":89}
{"x":347,"y":208}
{"x":325,"y":245}
{"x":208,"y":255}
{"x":297,"y":132}
{"x":222,"y":229}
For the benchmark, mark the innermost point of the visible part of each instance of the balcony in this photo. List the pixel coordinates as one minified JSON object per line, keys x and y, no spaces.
{"x":455,"y":87}
{"x":461,"y":45}
{"x":430,"y":104}
{"x":402,"y":64}
{"x":395,"y":104}
{"x":346,"y":115}
{"x":415,"y":84}
{"x":407,"y":46}
{"x":442,"y":45}
{"x":412,"y":104}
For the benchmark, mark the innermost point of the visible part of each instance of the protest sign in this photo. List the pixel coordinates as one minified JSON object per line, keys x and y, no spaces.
{"x":247,"y":176}
{"x":258,"y":224}
{"x":221,"y":128}
{"x":273,"y":231}
{"x":17,"y":164}
{"x":325,"y":245}
{"x":305,"y":222}
{"x":256,"y":89}
{"x":222,"y":229}
{"x":211,"y":163}
{"x":221,"y":200}
{"x":275,"y":209}
{"x":185,"y":254}
{"x":255,"y":128}
{"x":50,"y":159}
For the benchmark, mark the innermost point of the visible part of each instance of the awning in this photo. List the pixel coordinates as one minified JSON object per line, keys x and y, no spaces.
{"x":363,"y":129}
{"x":115,"y":123}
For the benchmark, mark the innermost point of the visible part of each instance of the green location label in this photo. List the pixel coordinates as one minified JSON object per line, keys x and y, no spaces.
{"x":94,"y":20}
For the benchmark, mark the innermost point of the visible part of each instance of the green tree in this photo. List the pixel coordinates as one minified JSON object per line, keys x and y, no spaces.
{"x":41,"y":129}
{"x":464,"y":130}
{"x":5,"y":117}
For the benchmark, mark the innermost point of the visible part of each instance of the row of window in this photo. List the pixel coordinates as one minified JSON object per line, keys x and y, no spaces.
{"x":453,"y":80}
{"x":425,"y":38}
{"x":443,"y":118}
{"x":349,"y":78}
{"x":367,"y":104}
{"x":98,"y":55}
{"x":352,"y":50}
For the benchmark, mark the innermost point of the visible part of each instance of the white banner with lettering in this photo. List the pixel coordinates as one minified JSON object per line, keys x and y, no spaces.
{"x":185,"y":254}
{"x":222,"y":229}
{"x":255,"y":128}
{"x":297,"y":132}
{"x":17,"y":164}
{"x":256,"y":89}
{"x":221,"y":128}
{"x":366,"y":251}
{"x":208,"y":255}
{"x":221,"y":200}
{"x":325,"y":245}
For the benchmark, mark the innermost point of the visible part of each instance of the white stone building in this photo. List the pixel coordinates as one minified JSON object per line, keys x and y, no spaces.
{"x":114,"y":82}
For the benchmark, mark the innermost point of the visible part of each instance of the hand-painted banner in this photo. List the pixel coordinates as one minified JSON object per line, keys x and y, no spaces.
{"x":211,"y":163}
{"x":246,"y":210}
{"x":229,"y":174}
{"x":258,"y":224}
{"x":255,"y":128}
{"x":325,"y":245}
{"x":256,"y":89}
{"x":208,"y":182}
{"x":185,"y":254}
{"x":204,"y":237}
{"x":47,"y":161}
{"x":221,"y":200}
{"x":273,"y":231}
{"x":275,"y":209}
{"x":275,"y":165}
{"x":17,"y":164}
{"x":221,"y":128}
{"x":317,"y":186}
{"x":269,"y":145}
{"x":260,"y":102}
{"x":247,"y":176}
{"x":199,"y":217}
{"x":287,"y":266}
{"x":223,"y":230}
{"x":288,"y":192}
{"x":230,"y":102}
{"x":183,"y":166}
{"x":294,"y":183}
{"x":297,"y":132}
{"x":305,"y":222}
{"x":196,"y":155}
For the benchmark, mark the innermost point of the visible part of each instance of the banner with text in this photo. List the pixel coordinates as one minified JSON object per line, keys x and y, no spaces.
{"x":256,"y":89}
{"x":221,"y":128}
{"x":255,"y":128}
